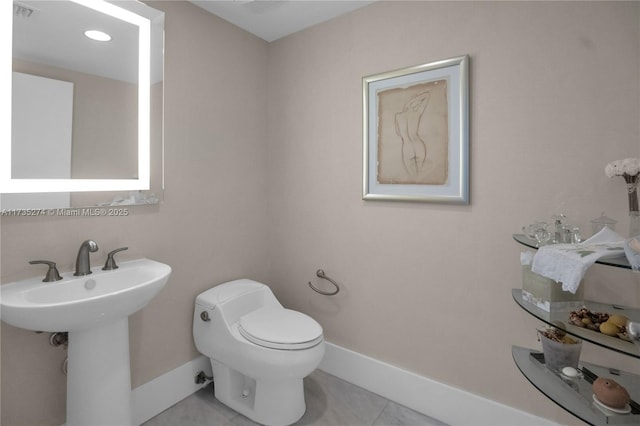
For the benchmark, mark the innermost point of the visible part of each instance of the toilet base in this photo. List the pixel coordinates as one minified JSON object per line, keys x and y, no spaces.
{"x":268,"y":402}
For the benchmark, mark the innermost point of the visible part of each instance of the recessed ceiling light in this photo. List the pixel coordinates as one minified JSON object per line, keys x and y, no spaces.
{"x":97,"y":35}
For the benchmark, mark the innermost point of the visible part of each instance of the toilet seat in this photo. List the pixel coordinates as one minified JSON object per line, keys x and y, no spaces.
{"x":279,"y":328}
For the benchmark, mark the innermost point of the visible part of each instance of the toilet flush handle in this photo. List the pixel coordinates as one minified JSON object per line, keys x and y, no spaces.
{"x":204,"y":316}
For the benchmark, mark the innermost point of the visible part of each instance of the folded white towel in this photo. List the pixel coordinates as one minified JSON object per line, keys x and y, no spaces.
{"x":567,"y":263}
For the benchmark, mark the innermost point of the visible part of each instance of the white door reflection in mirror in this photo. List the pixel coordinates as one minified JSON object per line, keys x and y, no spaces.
{"x":42,"y":111}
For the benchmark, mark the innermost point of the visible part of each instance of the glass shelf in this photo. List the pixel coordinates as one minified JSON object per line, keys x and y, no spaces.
{"x":575,"y":395}
{"x":562,"y":316}
{"x":618,"y":261}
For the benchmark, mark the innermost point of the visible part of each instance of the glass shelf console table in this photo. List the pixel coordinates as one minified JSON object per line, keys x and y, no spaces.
{"x":574,"y":394}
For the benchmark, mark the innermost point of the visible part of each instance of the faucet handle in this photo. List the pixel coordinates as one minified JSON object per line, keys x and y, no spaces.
{"x":52,"y":273}
{"x":111,"y":263}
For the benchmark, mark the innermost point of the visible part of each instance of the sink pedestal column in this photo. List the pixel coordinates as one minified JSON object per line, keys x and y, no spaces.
{"x":99,"y":376}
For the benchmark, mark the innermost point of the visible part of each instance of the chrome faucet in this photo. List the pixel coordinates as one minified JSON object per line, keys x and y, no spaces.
{"x":83,"y":266}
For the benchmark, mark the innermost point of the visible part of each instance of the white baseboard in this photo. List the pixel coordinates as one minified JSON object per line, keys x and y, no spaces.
{"x":155,"y":396}
{"x":429,"y":397}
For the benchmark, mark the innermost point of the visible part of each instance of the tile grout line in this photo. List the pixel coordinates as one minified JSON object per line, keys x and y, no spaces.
{"x":380,"y":413}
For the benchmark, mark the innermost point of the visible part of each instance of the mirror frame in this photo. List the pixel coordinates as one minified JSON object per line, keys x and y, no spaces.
{"x":9,"y":185}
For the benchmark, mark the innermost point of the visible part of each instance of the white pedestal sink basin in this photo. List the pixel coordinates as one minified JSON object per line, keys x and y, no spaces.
{"x":94,"y":309}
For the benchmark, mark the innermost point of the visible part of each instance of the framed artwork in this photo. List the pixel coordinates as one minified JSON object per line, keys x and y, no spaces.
{"x":416,"y":133}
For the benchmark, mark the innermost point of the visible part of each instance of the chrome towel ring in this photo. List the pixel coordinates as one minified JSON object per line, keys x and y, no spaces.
{"x":320,"y":274}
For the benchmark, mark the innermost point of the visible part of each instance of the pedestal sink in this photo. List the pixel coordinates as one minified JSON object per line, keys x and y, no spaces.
{"x":94,"y":309}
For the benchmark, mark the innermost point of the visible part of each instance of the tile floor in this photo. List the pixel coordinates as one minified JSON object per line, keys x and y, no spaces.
{"x":330,"y":402}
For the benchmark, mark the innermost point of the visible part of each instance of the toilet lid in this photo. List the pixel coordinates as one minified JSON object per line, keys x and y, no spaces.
{"x":279,"y":328}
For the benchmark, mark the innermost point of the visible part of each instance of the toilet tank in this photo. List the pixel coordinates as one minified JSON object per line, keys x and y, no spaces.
{"x":236,"y":298}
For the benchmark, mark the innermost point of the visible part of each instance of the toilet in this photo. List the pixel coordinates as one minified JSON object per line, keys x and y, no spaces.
{"x":259,"y":351}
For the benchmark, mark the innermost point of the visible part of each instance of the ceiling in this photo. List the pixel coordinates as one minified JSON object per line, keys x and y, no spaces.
{"x":48,"y":34}
{"x":274,"y":19}
{"x":51,"y":32}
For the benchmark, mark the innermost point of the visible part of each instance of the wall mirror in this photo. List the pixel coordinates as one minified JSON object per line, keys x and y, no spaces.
{"x":86,"y":109}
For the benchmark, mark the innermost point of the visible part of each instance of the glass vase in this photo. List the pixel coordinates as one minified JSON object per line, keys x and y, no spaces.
{"x":634,"y":223}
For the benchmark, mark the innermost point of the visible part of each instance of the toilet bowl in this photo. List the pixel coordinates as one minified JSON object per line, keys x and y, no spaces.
{"x":259,"y":351}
